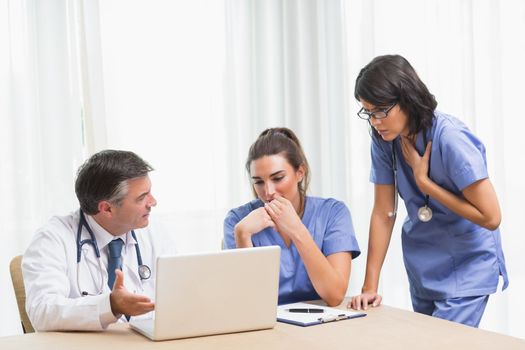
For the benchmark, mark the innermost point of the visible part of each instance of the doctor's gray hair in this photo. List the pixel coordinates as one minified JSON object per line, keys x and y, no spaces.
{"x":391,"y":79}
{"x":104,"y":177}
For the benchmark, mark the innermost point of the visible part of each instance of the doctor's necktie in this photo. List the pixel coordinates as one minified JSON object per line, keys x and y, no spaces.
{"x":114,"y":260}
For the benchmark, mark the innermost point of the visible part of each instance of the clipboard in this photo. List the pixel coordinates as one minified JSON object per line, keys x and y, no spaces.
{"x":305,"y":319}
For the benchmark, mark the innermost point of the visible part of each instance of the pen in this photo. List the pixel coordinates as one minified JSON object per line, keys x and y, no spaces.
{"x":306,"y":311}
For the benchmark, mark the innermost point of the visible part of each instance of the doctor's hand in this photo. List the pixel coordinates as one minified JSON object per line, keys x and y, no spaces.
{"x":361,"y":302}
{"x":125,"y":303}
{"x":286,"y":219}
{"x":418,"y":164}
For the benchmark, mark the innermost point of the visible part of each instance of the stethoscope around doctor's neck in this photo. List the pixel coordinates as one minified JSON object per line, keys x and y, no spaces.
{"x":143,"y":270}
{"x":424,"y":213}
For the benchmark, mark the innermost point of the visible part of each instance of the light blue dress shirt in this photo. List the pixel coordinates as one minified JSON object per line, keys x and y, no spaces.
{"x":448,"y":256}
{"x":330,"y":224}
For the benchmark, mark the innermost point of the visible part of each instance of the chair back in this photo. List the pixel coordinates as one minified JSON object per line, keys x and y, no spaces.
{"x":20,"y":292}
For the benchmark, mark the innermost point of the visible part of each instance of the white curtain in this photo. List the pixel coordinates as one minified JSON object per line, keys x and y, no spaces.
{"x":41,"y":130}
{"x":162,"y":67}
{"x":286,"y":67}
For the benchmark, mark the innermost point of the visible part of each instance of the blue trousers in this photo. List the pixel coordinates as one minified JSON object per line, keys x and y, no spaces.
{"x":466,"y":310}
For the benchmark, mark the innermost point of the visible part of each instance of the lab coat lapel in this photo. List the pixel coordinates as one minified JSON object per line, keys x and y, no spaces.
{"x":130,"y":261}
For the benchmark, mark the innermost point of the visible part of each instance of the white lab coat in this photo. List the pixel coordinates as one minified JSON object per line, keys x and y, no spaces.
{"x":49,"y":267}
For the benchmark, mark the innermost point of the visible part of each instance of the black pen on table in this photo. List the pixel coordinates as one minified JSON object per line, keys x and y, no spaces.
{"x":306,"y":310}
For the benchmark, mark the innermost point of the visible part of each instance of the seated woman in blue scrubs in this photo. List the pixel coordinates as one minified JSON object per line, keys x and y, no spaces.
{"x":316,"y":235}
{"x":450,"y":238}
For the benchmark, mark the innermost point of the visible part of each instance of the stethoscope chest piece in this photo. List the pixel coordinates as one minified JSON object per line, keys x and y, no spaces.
{"x":424,"y":214}
{"x":144,"y":272}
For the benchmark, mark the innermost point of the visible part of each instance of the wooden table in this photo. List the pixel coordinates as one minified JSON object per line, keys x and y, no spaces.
{"x":383,"y":328}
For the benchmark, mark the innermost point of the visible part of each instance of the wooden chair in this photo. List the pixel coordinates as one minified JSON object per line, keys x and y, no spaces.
{"x":20,"y":292}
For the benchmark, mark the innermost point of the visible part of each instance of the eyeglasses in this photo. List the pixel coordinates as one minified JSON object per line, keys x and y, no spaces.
{"x":380,"y":114}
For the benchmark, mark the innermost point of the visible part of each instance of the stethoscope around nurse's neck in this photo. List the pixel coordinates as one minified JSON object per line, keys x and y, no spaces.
{"x":143,"y":270}
{"x":424,"y":213}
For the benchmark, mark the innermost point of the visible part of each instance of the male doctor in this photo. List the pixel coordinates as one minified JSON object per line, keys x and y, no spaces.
{"x":95,"y":266}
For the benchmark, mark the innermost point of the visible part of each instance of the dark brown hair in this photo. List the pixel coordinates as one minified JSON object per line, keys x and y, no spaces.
{"x":391,"y":79}
{"x":281,"y":141}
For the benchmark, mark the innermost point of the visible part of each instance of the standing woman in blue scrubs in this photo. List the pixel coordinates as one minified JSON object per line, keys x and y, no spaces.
{"x":316,"y":235}
{"x":450,"y":238}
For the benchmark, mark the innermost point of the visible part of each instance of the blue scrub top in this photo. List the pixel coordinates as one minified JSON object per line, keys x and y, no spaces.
{"x":448,"y":256}
{"x":330,"y":224}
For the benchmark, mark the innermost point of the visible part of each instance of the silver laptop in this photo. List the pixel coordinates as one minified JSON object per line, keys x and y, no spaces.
{"x":213,"y":293}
